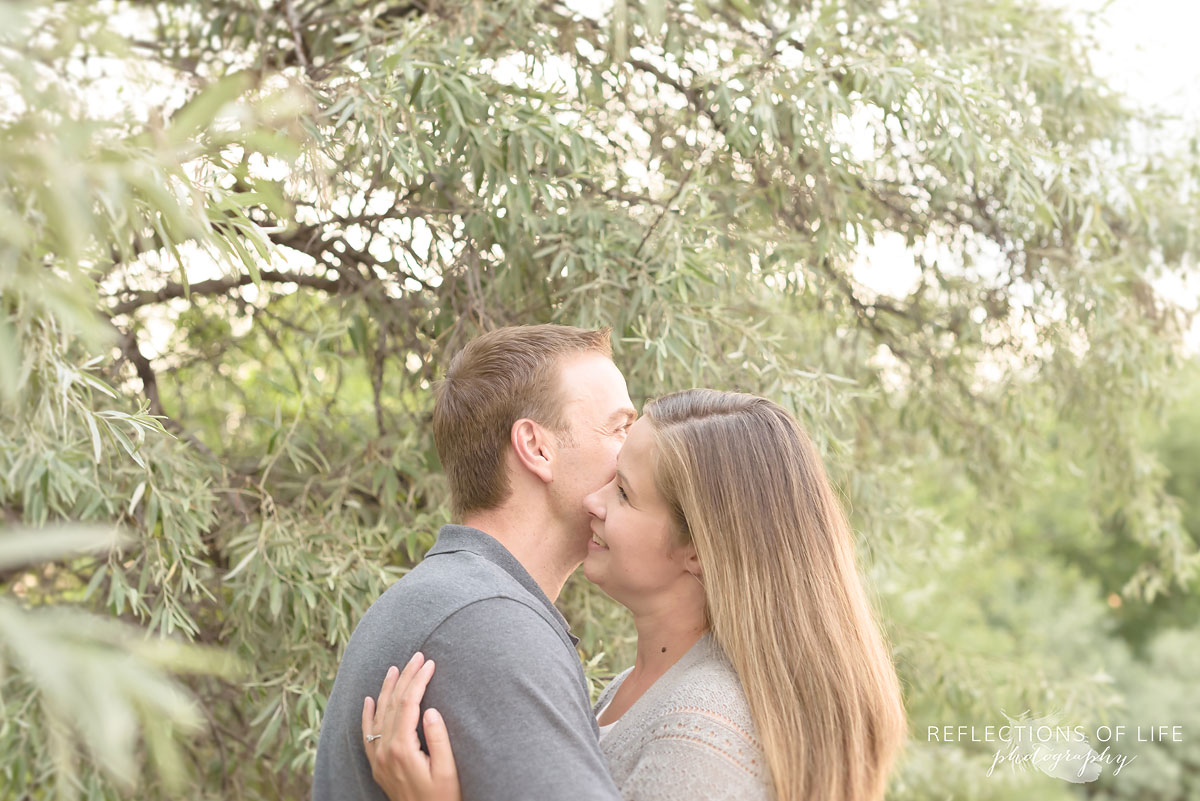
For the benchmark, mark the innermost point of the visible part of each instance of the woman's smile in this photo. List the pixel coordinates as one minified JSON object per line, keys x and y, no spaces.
{"x":596,"y":543}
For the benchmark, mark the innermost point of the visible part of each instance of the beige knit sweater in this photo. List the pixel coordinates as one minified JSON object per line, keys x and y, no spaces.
{"x":689,"y":737}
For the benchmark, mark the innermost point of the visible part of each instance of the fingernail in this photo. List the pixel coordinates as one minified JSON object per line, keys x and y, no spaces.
{"x":415,"y":657}
{"x":428,"y":665}
{"x":392,"y":671}
{"x":433,"y":716}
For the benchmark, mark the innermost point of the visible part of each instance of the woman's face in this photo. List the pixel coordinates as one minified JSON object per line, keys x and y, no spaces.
{"x":633,"y":555}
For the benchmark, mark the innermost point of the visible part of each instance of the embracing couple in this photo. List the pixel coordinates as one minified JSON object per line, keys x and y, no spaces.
{"x":760,"y":673}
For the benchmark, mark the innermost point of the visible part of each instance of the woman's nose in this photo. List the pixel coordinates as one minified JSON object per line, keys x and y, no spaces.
{"x":594,"y":503}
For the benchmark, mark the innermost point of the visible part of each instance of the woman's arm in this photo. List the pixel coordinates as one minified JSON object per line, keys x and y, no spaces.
{"x":389,"y":731}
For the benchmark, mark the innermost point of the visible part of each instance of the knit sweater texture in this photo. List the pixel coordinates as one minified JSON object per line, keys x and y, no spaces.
{"x":690,"y":736}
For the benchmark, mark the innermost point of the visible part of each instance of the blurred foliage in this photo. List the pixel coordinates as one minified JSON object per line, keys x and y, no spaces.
{"x":240,"y":239}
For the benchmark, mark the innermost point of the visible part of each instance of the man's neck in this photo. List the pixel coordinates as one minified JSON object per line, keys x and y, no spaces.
{"x":537,"y":544}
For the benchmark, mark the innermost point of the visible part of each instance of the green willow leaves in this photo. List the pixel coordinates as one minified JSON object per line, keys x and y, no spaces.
{"x":240,"y":240}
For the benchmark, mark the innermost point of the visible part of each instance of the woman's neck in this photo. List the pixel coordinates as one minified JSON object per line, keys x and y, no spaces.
{"x":665,"y":633}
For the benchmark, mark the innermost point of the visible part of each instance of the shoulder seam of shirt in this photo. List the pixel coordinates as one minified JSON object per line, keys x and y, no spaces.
{"x":506,"y":577}
{"x":498,"y":597}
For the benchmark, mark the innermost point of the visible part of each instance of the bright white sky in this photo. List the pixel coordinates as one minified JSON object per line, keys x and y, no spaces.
{"x":1149,"y":51}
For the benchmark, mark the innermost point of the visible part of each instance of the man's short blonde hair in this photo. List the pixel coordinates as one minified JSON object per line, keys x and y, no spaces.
{"x":495,"y":380}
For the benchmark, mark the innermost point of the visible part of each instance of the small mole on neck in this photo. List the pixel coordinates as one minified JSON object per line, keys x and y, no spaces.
{"x":664,"y":649}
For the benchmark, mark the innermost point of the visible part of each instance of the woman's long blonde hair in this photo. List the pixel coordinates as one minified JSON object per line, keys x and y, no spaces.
{"x":785,"y":602}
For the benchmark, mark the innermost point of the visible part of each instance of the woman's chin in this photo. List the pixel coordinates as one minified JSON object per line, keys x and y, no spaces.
{"x":593,"y":573}
{"x":591,"y":567}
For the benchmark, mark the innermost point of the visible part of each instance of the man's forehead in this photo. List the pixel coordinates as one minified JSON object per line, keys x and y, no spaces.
{"x":607,"y":407}
{"x":593,"y":379}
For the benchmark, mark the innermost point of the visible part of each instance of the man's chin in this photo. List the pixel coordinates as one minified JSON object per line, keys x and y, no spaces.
{"x":581,"y":549}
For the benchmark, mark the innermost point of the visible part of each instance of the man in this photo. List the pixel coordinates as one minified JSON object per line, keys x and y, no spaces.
{"x":527,"y":421}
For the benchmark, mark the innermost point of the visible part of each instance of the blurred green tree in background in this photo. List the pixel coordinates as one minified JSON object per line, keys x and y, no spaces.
{"x":240,"y":239}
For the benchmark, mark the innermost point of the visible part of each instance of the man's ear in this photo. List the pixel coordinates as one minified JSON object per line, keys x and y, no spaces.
{"x":534,"y":448}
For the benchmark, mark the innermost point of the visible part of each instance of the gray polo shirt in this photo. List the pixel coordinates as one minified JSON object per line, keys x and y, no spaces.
{"x":508,"y":680}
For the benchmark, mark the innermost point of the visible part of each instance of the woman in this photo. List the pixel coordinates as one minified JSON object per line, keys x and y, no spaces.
{"x":760,"y":670}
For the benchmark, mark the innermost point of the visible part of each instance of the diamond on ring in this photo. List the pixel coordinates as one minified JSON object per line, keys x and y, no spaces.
{"x":373,"y":737}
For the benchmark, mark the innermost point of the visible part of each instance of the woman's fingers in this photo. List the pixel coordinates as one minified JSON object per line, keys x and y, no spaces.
{"x":408,"y":706}
{"x":398,"y":764}
{"x":368,"y":719}
{"x":441,"y":755}
{"x":388,"y":695}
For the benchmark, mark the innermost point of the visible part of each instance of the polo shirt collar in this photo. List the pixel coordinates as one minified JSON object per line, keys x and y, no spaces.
{"x":453,"y":537}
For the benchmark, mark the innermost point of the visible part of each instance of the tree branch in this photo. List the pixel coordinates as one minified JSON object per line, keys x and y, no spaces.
{"x":221,"y":286}
{"x":145,"y":372}
{"x":294,"y":25}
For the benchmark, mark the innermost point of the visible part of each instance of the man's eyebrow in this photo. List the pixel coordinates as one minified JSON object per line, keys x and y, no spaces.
{"x":623,"y":414}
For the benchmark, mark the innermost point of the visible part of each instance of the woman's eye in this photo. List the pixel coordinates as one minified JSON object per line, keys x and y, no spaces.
{"x":621,"y":492}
